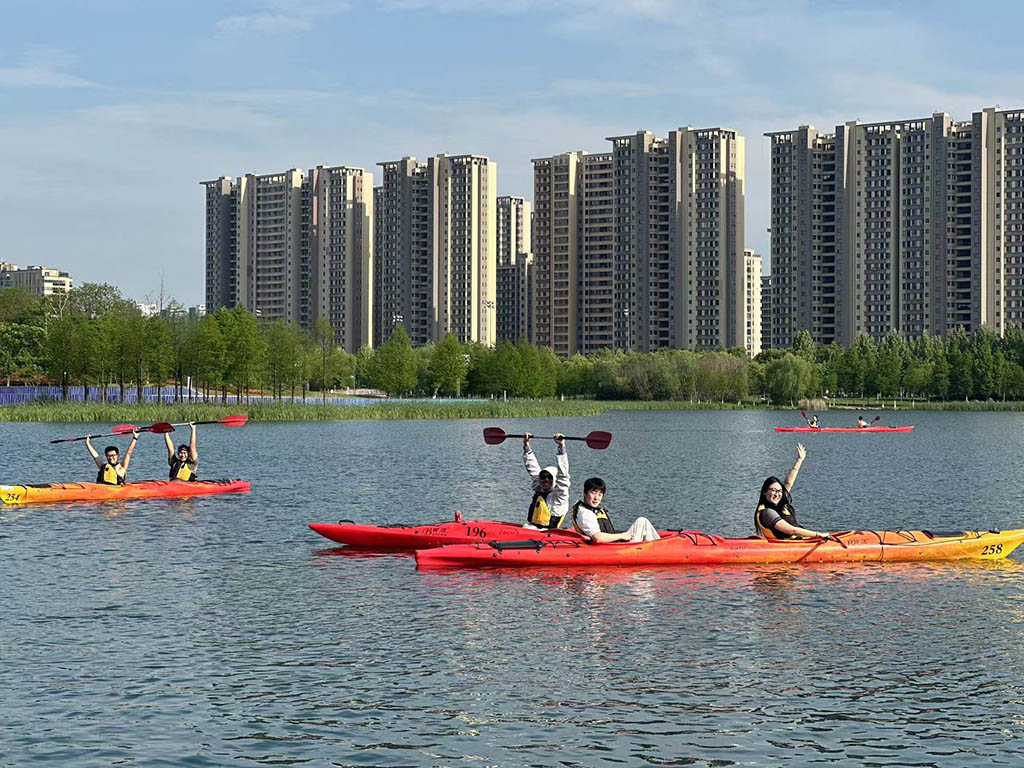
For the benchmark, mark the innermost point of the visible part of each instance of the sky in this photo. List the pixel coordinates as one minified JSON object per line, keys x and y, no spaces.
{"x":113,"y":111}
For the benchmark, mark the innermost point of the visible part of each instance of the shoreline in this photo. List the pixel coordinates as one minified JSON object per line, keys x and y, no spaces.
{"x":425,"y":409}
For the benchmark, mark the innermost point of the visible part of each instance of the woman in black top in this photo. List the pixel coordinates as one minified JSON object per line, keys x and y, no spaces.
{"x":775,"y":517}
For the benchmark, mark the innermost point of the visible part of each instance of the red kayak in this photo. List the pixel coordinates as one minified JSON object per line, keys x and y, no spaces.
{"x":696,"y":548}
{"x":458,"y":531}
{"x":843,"y":429}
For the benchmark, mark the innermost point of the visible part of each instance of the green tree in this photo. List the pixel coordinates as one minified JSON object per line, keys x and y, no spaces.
{"x":788,"y":379}
{"x":448,"y":367}
{"x":393,"y":366}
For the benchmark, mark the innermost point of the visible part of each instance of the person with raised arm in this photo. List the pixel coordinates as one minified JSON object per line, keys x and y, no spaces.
{"x":550,"y":502}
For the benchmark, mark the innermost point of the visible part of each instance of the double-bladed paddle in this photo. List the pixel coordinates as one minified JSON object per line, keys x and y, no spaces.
{"x":228,"y":421}
{"x":120,"y":429}
{"x":598,"y":440}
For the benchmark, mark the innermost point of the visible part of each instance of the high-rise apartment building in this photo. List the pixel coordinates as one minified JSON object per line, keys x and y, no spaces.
{"x":642,"y":248}
{"x":554,"y":252}
{"x":513,"y":290}
{"x":436,"y":249}
{"x":908,"y":225}
{"x":752,"y":301}
{"x":766,"y":311}
{"x":294,"y":246}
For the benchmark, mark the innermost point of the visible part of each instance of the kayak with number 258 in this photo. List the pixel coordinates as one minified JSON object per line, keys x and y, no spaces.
{"x":696,"y":548}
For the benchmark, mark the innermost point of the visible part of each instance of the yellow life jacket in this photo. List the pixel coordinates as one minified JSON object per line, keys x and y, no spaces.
{"x":108,"y":475}
{"x":540,"y":513}
{"x":182,"y":470}
{"x":787,"y":513}
{"x":604,"y":522}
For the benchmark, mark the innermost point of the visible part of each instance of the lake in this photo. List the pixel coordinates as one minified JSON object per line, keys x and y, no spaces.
{"x":222,"y":631}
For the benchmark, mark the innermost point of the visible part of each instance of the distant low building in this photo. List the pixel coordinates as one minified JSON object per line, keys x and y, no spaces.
{"x":41,"y":281}
{"x":148,"y":309}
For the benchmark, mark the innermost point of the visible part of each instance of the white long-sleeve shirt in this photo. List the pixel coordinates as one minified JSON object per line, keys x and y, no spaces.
{"x":558,"y":496}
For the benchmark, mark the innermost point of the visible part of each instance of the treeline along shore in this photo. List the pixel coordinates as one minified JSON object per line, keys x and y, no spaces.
{"x":94,"y":345}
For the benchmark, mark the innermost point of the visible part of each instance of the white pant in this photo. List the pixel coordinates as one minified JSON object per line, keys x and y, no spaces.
{"x":642,"y":530}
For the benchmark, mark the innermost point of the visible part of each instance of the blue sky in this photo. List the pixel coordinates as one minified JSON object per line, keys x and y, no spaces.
{"x":113,"y":111}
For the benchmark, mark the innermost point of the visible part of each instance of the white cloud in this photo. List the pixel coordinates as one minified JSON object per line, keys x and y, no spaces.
{"x":41,"y":68}
{"x":282,"y":17}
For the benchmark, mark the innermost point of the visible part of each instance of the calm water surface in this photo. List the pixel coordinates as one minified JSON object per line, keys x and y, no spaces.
{"x":222,"y":631}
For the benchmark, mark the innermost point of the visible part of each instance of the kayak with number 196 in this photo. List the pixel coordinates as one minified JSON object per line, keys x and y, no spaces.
{"x":457,"y":531}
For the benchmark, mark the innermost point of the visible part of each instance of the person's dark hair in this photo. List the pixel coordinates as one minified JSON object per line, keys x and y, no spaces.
{"x":594,"y":484}
{"x":110,"y":448}
{"x":786,"y":499}
{"x":184,"y":447}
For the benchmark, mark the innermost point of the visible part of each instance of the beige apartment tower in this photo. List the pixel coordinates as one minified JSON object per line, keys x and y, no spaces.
{"x":641,"y":248}
{"x":907,"y":225}
{"x":295,"y":247}
{"x":752,"y":302}
{"x":514,"y":289}
{"x":436,"y":250}
{"x":340,"y":265}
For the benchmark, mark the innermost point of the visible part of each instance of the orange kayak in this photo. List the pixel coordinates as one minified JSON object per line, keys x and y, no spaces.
{"x":696,"y":548}
{"x":144,"y":489}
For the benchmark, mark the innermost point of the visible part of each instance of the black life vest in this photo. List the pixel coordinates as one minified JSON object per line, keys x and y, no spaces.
{"x":108,"y":475}
{"x":539,"y":514}
{"x":604,"y":522}
{"x":183,"y":470}
{"x":786,"y":512}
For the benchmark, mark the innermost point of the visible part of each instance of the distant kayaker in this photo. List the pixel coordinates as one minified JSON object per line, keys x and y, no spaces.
{"x":591,"y":519}
{"x":550,"y":502}
{"x":113,"y":470}
{"x":185,"y":461}
{"x":813,"y":423}
{"x":861,"y":424}
{"x":775,"y":517}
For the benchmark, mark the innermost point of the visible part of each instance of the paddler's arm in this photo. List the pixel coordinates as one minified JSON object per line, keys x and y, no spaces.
{"x":562,"y":459}
{"x":801,"y":454}
{"x":192,"y":452}
{"x":529,"y":459}
{"x":95,"y":456}
{"x":796,"y":530}
{"x":170,"y":448}
{"x":131,"y":449}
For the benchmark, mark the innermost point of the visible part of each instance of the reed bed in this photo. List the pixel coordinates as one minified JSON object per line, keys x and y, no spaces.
{"x":420,"y":409}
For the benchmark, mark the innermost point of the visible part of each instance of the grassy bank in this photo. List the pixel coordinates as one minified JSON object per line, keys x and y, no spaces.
{"x":418,"y":409}
{"x":412,"y":409}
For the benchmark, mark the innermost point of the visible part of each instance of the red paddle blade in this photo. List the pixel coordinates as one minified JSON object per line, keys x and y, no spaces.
{"x":161,"y":428}
{"x":599,"y":440}
{"x":234,"y":421}
{"x":494,"y":435}
{"x":123,"y":429}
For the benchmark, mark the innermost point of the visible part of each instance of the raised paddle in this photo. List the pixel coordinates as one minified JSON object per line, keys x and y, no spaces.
{"x":160,"y":428}
{"x":598,"y":440}
{"x":228,"y":421}
{"x":120,"y":429}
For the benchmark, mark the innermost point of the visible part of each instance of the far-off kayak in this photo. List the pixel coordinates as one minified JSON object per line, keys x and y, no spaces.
{"x":384,"y":537}
{"x":144,"y":489}
{"x":696,"y":548}
{"x":844,"y":429}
